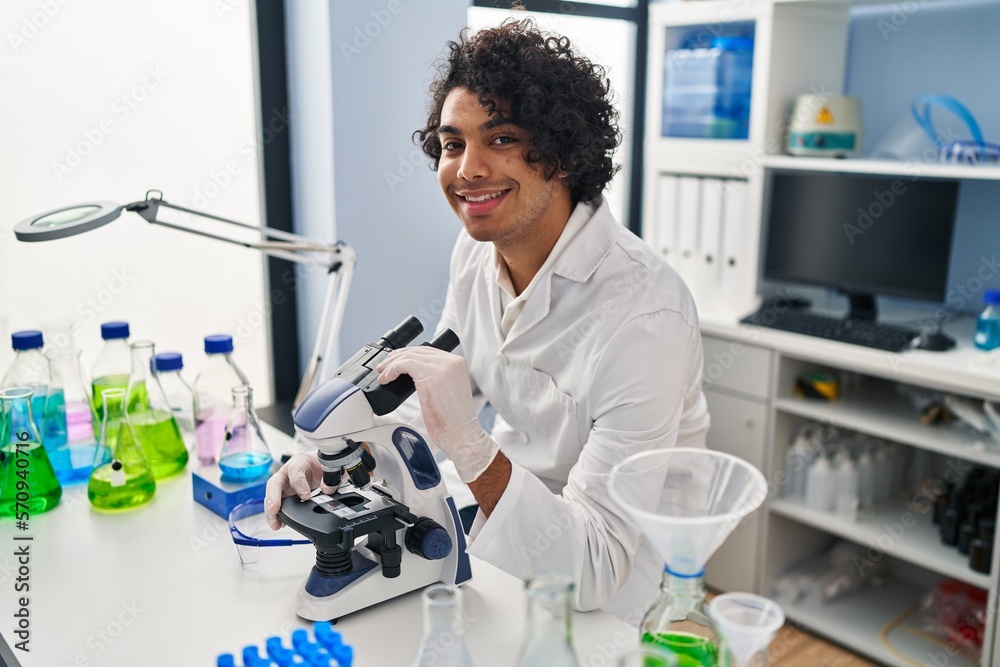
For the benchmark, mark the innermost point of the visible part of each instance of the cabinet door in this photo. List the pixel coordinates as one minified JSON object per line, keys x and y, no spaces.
{"x":738,"y":427}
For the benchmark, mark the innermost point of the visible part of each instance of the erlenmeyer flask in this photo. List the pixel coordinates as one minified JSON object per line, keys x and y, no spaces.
{"x":121,"y":478}
{"x":678,"y":621}
{"x":28,"y":485}
{"x":70,"y":407}
{"x":547,"y":642}
{"x":443,"y":642}
{"x":245,"y":456}
{"x":150,"y":416}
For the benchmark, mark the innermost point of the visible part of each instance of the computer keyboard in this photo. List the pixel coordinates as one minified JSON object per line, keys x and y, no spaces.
{"x":868,"y":333}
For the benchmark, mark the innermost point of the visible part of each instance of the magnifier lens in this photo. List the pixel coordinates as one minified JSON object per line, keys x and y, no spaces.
{"x":66,"y":216}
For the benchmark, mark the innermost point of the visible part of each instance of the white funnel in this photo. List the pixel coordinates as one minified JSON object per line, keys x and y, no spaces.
{"x":746,"y":622}
{"x":687,"y":501}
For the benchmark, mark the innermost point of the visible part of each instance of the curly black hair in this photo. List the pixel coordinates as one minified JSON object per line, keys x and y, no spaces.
{"x":541,"y":85}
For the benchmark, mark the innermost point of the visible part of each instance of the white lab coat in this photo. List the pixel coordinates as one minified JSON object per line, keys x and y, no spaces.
{"x":604,"y":361}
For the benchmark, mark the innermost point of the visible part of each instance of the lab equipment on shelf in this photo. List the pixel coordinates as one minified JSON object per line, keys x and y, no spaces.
{"x":245,"y":455}
{"x":548,"y":636}
{"x":69,"y":403}
{"x":212,"y":394}
{"x":30,"y":368}
{"x":830,"y":575}
{"x":111,"y":367}
{"x":686,"y":501}
{"x":825,"y":125}
{"x":987,"y":336}
{"x":706,"y":91}
{"x":443,"y":641}
{"x":150,"y":415}
{"x":122,"y":477}
{"x":178,"y":392}
{"x":28,"y":484}
{"x":326,"y":648}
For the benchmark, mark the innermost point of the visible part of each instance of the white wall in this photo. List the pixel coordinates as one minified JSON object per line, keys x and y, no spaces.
{"x":103,"y":100}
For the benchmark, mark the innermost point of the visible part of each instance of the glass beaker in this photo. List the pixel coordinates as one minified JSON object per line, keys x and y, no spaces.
{"x":150,"y":416}
{"x":548,"y":638}
{"x":69,"y":402}
{"x":678,"y":621}
{"x":28,"y":484}
{"x":212,"y":390}
{"x":245,"y":455}
{"x":122,"y":477}
{"x":443,"y":642}
{"x":111,"y":368}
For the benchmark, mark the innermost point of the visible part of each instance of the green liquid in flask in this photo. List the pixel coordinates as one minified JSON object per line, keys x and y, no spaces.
{"x":691,"y":650}
{"x":116,"y":490}
{"x":138,"y":400}
{"x":40,"y":490}
{"x":161,"y":442}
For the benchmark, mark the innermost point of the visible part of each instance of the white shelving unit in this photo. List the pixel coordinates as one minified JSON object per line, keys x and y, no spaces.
{"x":802,"y":46}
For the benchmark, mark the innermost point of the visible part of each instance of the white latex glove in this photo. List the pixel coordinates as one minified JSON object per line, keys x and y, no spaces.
{"x":442,"y":383}
{"x":299,"y":476}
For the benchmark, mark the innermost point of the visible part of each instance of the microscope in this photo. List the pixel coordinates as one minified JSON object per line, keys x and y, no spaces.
{"x":391,"y":527}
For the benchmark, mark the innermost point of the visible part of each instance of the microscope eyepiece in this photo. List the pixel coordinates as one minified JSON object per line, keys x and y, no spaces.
{"x":402,"y":334}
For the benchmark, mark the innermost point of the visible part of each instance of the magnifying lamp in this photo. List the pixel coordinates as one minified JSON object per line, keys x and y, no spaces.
{"x":337,"y":259}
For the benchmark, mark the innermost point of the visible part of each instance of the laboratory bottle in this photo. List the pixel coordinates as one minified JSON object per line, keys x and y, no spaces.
{"x":111,"y":368}
{"x":30,"y":368}
{"x":74,"y":458}
{"x":245,"y":455}
{"x":845,"y":484}
{"x":212,"y":393}
{"x":548,"y":632}
{"x":866,"y":480}
{"x":800,"y":456}
{"x":121,"y":478}
{"x":178,"y":392}
{"x":150,"y":416}
{"x":820,"y":486}
{"x":28,"y":484}
{"x":443,"y":642}
{"x":987,"y":336}
{"x":678,"y":621}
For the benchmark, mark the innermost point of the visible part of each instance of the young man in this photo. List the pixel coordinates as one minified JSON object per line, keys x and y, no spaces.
{"x":582,"y":338}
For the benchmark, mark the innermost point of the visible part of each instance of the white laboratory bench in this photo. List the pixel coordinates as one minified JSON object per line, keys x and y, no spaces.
{"x":162,"y":585}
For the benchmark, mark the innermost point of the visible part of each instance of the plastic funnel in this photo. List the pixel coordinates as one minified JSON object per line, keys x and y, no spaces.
{"x":687,"y":501}
{"x":746,"y":622}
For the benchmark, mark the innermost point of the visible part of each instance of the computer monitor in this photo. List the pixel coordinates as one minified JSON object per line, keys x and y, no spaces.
{"x":861,"y":234}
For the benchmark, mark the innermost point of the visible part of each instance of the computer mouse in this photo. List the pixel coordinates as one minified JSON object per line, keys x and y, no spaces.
{"x":934,"y":342}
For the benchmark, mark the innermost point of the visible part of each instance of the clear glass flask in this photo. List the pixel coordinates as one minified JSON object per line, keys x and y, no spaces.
{"x":169,"y":366}
{"x":31,"y":369}
{"x":28,"y":484}
{"x":212,"y":392}
{"x":678,"y":621}
{"x":149,"y":413}
{"x":443,"y":643}
{"x":69,"y":402}
{"x":122,"y":477}
{"x":548,"y":636}
{"x":245,"y":455}
{"x":111,"y":368}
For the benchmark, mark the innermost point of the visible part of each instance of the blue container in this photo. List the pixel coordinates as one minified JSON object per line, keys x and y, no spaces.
{"x":706,"y":91}
{"x":987,"y":335}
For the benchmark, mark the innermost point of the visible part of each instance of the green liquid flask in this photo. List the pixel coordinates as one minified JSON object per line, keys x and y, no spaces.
{"x":111,"y":368}
{"x":549,"y":634}
{"x":122,"y":478}
{"x":28,"y":484}
{"x":151,"y":418}
{"x":678,"y":622}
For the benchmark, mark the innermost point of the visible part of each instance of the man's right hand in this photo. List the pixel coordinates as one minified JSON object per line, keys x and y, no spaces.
{"x":299,"y":476}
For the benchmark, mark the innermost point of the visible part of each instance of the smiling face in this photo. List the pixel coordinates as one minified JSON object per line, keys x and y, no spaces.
{"x":495,"y":192}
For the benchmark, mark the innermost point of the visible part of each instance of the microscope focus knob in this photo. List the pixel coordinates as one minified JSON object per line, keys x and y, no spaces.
{"x":427,"y":539}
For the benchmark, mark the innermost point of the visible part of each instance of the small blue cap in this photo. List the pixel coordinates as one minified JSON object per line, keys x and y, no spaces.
{"x":219,"y":344}
{"x":992,"y":297}
{"x":225,"y":660}
{"x":113,"y":330}
{"x":26,"y":340}
{"x":168,"y":361}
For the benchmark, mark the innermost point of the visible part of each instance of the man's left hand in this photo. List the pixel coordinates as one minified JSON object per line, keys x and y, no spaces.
{"x":445,"y":394}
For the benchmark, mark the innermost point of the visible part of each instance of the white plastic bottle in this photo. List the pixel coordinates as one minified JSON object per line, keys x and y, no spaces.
{"x":820,"y":486}
{"x":846,"y":486}
{"x":213,"y":390}
{"x":866,"y":480}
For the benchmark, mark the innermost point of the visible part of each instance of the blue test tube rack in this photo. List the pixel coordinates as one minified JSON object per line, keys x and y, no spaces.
{"x":325,"y":649}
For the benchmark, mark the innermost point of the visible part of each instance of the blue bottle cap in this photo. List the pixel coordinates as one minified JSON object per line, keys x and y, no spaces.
{"x":225,"y":660}
{"x":219,"y":344}
{"x":992,"y":297}
{"x":113,"y":330}
{"x":300,"y":638}
{"x":26,"y":340}
{"x":169,"y":361}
